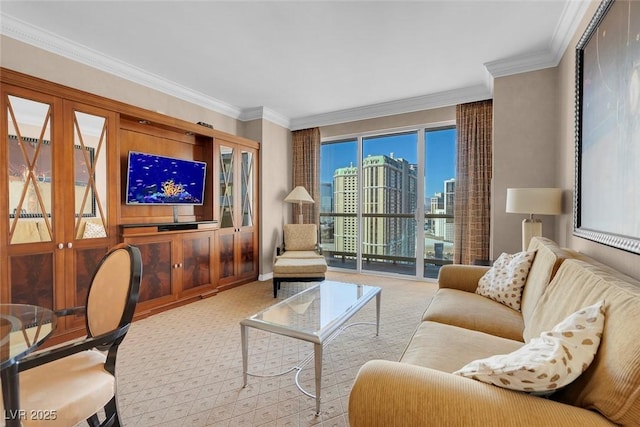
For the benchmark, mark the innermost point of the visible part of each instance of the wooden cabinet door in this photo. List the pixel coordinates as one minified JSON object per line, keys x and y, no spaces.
{"x":90,"y":174}
{"x":237,"y":245}
{"x":247,"y":238}
{"x":196,"y":266}
{"x":57,"y":167}
{"x":159,"y":270}
{"x":31,"y":262}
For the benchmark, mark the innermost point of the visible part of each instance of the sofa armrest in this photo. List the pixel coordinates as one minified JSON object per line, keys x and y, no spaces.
{"x":398,"y":394}
{"x":462,"y":277}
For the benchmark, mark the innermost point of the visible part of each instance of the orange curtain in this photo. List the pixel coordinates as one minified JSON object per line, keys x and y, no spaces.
{"x":472,"y":210}
{"x":306,"y":171}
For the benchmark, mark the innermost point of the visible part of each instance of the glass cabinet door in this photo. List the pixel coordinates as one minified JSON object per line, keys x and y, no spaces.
{"x":90,"y":175}
{"x":227,"y":208}
{"x":30,"y":166}
{"x":247,"y":187}
{"x":30,"y":146}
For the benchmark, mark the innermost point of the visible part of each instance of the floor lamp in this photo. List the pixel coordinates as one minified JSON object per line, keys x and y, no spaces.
{"x":539,"y":201}
{"x":299,"y":195}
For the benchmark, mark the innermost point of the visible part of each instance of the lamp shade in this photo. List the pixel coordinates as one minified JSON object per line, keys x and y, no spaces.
{"x":299,"y":195}
{"x":541,"y":201}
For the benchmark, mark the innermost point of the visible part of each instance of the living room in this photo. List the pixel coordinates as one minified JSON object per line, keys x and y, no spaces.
{"x":533,"y":135}
{"x":533,"y":125}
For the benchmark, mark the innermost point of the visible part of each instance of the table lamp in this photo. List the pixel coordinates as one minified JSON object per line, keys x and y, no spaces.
{"x":299,"y":195}
{"x":539,"y":201}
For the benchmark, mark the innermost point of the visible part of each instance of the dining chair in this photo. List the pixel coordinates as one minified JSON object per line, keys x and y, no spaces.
{"x":76,"y":381}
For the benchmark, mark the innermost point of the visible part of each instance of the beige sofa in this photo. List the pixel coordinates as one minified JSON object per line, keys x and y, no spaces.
{"x":460,"y":326}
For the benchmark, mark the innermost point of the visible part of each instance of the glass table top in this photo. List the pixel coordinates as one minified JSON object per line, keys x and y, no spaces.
{"x":316,"y":311}
{"x":22,"y":328}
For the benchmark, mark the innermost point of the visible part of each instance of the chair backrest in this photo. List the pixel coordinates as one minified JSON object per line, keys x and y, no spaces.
{"x":300,"y":237}
{"x":114,"y":290}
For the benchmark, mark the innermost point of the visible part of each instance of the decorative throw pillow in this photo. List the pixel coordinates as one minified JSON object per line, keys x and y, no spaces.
{"x":548,"y":362}
{"x":93,"y":231}
{"x":506,"y":278}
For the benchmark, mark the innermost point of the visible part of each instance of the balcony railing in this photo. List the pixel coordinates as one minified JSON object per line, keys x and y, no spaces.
{"x":438,"y":251}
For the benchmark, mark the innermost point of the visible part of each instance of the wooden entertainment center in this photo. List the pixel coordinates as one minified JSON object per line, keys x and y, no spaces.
{"x":64,"y":153}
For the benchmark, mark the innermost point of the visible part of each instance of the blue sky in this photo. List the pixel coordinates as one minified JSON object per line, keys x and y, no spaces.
{"x":440,"y":155}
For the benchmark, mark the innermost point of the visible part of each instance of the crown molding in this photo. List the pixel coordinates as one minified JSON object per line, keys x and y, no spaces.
{"x":570,"y":20}
{"x":521,"y":64}
{"x":401,"y":106}
{"x":50,"y":42}
{"x":571,"y":17}
{"x":567,"y":25}
{"x":264,"y":113}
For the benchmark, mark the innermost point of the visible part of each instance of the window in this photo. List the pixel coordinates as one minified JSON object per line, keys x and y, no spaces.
{"x":382,"y":194}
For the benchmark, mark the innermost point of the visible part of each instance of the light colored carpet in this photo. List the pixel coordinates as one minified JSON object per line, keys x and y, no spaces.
{"x":183,"y":367}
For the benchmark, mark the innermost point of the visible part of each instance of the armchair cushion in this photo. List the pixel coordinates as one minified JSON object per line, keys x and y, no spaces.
{"x":301,"y":255}
{"x":300,"y":237}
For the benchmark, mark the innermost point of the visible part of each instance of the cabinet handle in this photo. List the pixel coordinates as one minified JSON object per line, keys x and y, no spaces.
{"x":60,"y":245}
{"x":69,"y":245}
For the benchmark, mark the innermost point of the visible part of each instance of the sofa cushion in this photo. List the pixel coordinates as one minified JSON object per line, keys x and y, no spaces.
{"x":611,"y":385}
{"x":448,"y":348}
{"x":473,"y":311}
{"x":548,"y":362}
{"x":506,"y":278}
{"x":548,"y":258}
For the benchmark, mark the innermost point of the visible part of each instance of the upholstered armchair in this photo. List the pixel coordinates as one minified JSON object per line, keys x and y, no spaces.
{"x":300,"y":258}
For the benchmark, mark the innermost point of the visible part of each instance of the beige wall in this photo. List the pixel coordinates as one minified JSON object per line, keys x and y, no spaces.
{"x":275,"y":184}
{"x":525,"y":146}
{"x":534,"y":145}
{"x":36,"y":62}
{"x":418,"y":118}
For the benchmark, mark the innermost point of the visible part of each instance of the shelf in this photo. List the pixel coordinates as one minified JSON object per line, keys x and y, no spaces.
{"x":131,"y":230}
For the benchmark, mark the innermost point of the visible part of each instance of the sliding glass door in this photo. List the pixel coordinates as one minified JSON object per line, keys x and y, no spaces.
{"x":390,"y":196}
{"x":440,"y":185}
{"x":386,"y":201}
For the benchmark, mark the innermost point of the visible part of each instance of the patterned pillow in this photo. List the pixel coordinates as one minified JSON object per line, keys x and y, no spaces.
{"x":506,"y":279}
{"x":93,"y":231}
{"x":548,"y":362}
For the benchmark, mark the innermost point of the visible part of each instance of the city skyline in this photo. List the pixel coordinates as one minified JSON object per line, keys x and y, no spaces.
{"x":439,"y":153}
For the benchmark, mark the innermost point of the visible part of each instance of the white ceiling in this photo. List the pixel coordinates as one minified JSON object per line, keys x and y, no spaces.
{"x":305,"y":63}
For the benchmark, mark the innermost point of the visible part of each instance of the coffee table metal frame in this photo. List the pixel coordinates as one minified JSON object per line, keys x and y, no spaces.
{"x":320,"y":337}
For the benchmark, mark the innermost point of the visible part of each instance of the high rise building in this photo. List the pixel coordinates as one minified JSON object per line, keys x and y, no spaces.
{"x":442,"y":204}
{"x":389,"y":187}
{"x":449,"y":198}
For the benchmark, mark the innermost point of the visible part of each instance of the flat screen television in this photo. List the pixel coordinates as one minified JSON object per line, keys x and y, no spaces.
{"x":159,"y":180}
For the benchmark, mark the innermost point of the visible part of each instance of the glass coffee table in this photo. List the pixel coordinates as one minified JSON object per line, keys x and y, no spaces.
{"x":316,"y":315}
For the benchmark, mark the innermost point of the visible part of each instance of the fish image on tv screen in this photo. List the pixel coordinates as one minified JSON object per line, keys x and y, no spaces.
{"x":153,"y":179}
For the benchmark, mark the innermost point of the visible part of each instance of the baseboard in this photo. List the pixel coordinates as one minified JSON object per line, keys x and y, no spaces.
{"x":265,"y":277}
